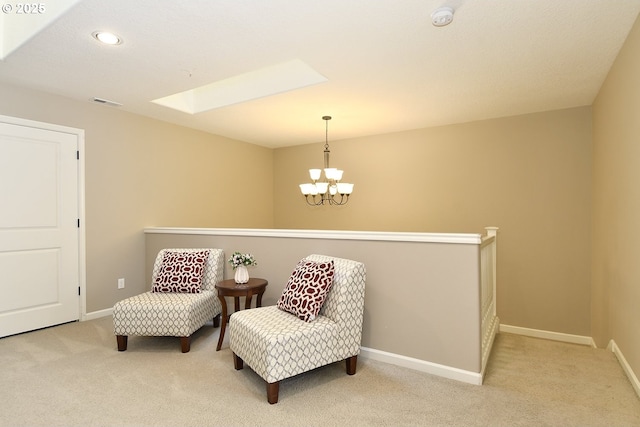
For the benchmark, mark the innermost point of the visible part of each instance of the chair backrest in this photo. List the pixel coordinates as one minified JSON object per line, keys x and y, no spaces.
{"x":213,"y":271}
{"x":345,"y":302}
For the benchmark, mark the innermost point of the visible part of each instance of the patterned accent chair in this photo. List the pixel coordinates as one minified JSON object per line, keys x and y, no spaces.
{"x":278,"y":345}
{"x":171,"y":314}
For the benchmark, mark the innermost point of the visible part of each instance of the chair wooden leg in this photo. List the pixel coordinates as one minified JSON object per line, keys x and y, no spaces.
{"x":185,"y":343}
{"x":237,"y":362}
{"x":122,"y":342}
{"x":351,"y":364}
{"x":216,"y":321}
{"x":272,"y":392}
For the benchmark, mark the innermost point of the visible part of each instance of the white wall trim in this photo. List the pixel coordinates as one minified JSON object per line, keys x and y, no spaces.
{"x":82,"y":249}
{"x":82,"y":231}
{"x":555,"y":336}
{"x":98,"y":314}
{"x":625,"y":366}
{"x":422,"y":366}
{"x":493,"y":330}
{"x":458,"y":238}
{"x":381,"y":356}
{"x":460,"y":374}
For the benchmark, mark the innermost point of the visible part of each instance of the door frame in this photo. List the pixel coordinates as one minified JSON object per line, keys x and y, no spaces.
{"x":82,"y":259}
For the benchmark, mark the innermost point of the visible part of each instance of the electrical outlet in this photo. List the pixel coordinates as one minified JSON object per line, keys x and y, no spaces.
{"x":120,"y":283}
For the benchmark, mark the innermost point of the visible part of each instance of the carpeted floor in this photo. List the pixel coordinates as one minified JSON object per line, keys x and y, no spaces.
{"x":72,"y":375}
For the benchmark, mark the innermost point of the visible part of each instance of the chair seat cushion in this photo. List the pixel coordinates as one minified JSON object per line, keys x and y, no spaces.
{"x":165,"y":314}
{"x":276,"y":343}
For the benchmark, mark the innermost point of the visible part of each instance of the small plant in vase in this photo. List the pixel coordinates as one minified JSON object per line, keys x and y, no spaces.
{"x":239,"y":262}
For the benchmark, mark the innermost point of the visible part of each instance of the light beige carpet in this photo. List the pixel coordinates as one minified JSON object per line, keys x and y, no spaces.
{"x":72,"y":375}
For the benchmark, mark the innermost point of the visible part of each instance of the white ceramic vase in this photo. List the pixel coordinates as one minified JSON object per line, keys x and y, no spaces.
{"x":242,"y":274}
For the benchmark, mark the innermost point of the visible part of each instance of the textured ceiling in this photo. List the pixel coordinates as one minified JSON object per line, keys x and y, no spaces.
{"x":388,"y":68}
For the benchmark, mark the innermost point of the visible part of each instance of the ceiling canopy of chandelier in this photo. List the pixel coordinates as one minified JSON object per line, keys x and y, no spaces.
{"x":327,"y":191}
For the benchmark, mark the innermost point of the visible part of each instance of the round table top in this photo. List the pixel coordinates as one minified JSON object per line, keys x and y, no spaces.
{"x":254,"y":282}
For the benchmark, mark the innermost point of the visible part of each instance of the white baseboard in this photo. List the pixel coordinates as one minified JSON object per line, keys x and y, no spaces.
{"x":422,"y":366}
{"x":382,"y":356}
{"x":486,"y":351}
{"x":578,"y":339}
{"x":460,"y":374}
{"x":625,"y":366}
{"x":98,"y":314}
{"x":555,"y":336}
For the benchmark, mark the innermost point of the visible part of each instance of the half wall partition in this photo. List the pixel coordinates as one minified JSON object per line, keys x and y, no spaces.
{"x":430,"y":297}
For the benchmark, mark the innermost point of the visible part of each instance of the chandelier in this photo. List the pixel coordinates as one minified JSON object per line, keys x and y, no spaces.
{"x":329,"y":191}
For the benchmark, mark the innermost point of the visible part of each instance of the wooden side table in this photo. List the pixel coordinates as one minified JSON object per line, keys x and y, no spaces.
{"x":229,"y":288}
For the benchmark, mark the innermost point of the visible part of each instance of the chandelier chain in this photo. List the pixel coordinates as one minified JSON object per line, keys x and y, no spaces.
{"x":326,"y":132}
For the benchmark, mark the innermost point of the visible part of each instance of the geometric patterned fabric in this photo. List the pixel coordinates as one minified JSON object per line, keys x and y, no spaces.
{"x":278,"y":345}
{"x":172,"y":314}
{"x":307,"y":289}
{"x":180,"y":272}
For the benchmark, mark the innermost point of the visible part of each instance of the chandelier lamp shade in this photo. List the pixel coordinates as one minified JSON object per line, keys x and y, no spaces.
{"x":329,"y":190}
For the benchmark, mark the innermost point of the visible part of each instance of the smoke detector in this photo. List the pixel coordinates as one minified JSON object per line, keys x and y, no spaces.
{"x":442,"y":16}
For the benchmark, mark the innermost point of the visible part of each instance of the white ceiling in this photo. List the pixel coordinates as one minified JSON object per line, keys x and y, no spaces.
{"x":388,"y":68}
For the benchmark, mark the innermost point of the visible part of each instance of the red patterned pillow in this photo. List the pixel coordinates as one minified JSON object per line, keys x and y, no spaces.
{"x":307,"y":289}
{"x":181,"y":272}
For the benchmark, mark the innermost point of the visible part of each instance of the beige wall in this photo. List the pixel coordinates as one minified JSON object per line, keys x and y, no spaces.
{"x":616,"y":207}
{"x":529,"y":175}
{"x":142,"y":172}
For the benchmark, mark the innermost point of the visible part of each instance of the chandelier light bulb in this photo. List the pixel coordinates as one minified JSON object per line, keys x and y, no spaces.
{"x":315,"y":174}
{"x":322,"y":187}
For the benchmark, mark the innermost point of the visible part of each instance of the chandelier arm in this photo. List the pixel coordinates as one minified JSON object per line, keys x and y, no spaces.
{"x":322,"y":199}
{"x":344,"y":198}
{"x":313,"y":201}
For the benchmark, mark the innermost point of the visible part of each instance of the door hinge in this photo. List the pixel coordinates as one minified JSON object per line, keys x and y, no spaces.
{"x":78,"y":222}
{"x":77,"y":154}
{"x":78,"y":290}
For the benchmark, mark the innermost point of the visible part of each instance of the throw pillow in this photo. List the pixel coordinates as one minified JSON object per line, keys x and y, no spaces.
{"x":307,"y":289}
{"x":181,"y":272}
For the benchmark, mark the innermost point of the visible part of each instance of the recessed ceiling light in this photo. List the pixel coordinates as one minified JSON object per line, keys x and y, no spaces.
{"x":106,"y":37}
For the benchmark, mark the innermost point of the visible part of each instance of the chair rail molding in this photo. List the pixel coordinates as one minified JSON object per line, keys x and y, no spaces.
{"x":459,"y":238}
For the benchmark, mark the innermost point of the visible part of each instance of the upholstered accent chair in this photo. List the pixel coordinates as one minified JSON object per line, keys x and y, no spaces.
{"x":277,"y":344}
{"x":181,"y":300}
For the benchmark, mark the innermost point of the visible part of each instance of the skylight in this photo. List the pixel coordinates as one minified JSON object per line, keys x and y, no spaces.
{"x":256,"y":84}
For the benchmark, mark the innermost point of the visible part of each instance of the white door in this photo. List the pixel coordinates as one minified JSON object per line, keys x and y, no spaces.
{"x":39,"y":236}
